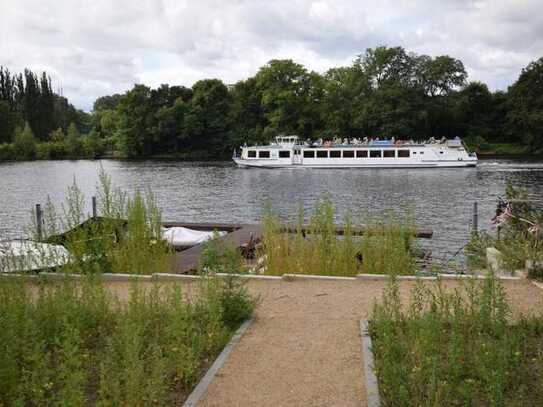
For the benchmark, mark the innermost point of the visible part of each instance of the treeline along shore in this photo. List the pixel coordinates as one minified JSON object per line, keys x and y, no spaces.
{"x":386,"y":92}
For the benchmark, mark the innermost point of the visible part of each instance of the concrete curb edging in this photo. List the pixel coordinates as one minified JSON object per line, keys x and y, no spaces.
{"x":372,"y":386}
{"x":292,"y":277}
{"x":380,"y":277}
{"x":203,"y":384}
{"x":164,"y":277}
{"x":173,"y":277}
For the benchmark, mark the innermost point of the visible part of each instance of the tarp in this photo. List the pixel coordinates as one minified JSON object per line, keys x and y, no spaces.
{"x":179,"y":236}
{"x":27,"y":255}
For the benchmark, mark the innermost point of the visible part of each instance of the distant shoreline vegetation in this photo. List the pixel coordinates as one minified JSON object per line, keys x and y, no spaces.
{"x":386,"y":92}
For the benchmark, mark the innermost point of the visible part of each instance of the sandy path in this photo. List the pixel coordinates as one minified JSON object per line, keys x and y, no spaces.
{"x":304,"y":349}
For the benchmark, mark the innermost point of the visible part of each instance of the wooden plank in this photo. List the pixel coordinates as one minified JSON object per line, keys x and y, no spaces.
{"x":340,"y":230}
{"x":188,"y":260}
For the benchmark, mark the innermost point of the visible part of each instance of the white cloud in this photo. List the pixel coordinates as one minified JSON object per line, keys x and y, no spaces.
{"x":97,"y":47}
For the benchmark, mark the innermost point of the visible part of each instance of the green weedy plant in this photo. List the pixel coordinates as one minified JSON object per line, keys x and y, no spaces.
{"x":317,"y":250}
{"x":456,"y":347}
{"x":236,"y":304}
{"x":74,"y":343}
{"x":387,"y":246}
{"x":141,"y":249}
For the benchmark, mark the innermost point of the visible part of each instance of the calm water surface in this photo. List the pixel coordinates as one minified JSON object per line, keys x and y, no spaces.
{"x":440,"y":199}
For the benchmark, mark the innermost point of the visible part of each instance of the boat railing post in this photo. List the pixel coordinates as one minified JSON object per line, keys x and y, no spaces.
{"x":39,"y":221}
{"x":475,"y":221}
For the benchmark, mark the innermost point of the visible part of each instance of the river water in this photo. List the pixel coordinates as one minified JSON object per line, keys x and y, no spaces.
{"x":439,"y":199}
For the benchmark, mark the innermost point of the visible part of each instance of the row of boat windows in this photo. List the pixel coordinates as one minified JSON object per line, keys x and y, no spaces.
{"x":338,"y":153}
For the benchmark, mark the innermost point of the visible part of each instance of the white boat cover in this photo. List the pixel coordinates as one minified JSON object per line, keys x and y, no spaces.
{"x":179,"y":236}
{"x":27,"y":255}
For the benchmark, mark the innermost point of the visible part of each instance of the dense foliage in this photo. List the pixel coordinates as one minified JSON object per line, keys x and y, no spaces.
{"x":75,"y":344}
{"x":456,"y":348}
{"x":386,"y":246}
{"x":385,"y":92}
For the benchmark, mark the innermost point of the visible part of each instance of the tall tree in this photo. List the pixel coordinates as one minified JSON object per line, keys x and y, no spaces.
{"x":526,"y":98}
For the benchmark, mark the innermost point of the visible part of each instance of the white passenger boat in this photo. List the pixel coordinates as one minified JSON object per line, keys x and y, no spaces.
{"x":288,"y":152}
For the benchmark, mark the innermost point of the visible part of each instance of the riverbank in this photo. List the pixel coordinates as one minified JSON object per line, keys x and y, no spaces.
{"x":508,"y":150}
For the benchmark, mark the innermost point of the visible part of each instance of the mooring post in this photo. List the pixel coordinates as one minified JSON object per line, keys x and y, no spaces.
{"x":39,"y":221}
{"x":475,"y":225}
{"x":94,"y":209}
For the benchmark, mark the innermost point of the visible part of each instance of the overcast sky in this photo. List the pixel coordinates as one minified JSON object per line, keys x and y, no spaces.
{"x":97,"y":47}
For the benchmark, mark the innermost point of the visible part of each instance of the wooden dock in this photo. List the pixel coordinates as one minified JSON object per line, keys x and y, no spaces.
{"x":242,"y":236}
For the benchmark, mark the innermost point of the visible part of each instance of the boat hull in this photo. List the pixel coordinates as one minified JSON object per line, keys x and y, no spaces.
{"x":421,"y":164}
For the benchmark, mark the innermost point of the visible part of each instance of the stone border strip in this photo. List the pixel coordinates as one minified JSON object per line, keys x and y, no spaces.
{"x":204,"y":383}
{"x":284,"y":277}
{"x":372,"y":385}
{"x":292,"y":277}
{"x":380,"y":277}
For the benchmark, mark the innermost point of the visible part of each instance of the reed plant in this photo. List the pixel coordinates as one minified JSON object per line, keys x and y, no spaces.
{"x":456,"y":348}
{"x":385,"y":247}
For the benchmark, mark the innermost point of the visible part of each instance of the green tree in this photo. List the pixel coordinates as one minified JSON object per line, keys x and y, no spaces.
{"x":24,"y":143}
{"x":57,"y":136}
{"x":526,"y":101}
{"x":8,"y":122}
{"x":206,"y":119}
{"x":290,"y":97}
{"x":136,"y":119}
{"x":74,"y":145}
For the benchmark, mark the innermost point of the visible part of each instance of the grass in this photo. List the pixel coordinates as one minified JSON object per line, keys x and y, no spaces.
{"x":459,"y":348}
{"x":69,"y":343}
{"x":385,"y":248}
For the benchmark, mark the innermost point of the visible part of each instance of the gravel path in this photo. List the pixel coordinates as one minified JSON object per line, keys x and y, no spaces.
{"x":304,"y":348}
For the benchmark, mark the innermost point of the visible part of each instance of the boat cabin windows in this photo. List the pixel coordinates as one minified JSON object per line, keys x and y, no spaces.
{"x":361,"y":153}
{"x":348,"y":153}
{"x":284,"y":154}
{"x":251,"y":154}
{"x":309,"y":154}
{"x":322,"y":153}
{"x":403,"y":153}
{"x":375,"y":154}
{"x":335,"y":154}
{"x":264,"y":154}
{"x":389,"y":153}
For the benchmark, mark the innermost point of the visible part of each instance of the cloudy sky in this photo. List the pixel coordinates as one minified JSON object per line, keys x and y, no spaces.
{"x":97,"y":47}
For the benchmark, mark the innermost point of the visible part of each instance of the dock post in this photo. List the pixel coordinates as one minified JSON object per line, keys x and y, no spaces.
{"x":39,"y":221}
{"x":94,"y":208}
{"x":475,"y":225}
